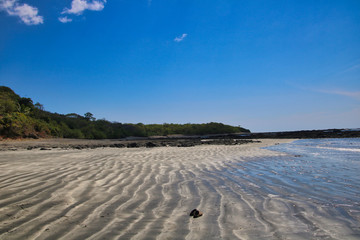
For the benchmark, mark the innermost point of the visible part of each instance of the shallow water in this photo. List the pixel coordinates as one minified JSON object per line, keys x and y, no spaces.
{"x":329,"y":169}
{"x":321,"y":175}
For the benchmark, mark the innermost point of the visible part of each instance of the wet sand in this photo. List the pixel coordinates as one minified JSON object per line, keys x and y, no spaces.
{"x":148,"y":193}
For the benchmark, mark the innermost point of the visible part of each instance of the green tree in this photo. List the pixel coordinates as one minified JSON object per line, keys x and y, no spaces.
{"x":89,"y":116}
{"x":39,"y":106}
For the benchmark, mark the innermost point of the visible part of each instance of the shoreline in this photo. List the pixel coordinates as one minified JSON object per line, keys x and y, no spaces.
{"x":172,"y":140}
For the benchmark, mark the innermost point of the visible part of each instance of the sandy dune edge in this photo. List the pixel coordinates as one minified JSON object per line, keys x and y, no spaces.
{"x":141,"y":194}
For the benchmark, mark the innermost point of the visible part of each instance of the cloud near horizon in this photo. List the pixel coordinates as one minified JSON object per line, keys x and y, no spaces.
{"x":352,"y":94}
{"x":28,"y":14}
{"x":79,"y":6}
{"x":181,"y":38}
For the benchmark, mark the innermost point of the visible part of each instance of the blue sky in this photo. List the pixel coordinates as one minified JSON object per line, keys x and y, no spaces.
{"x":264,"y":65}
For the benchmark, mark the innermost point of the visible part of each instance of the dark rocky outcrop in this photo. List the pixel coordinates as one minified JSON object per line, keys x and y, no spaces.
{"x":174,"y":141}
{"x":327,"y":133}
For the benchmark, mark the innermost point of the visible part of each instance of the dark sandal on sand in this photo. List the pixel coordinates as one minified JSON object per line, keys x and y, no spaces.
{"x":196,"y":213}
{"x":192,"y":212}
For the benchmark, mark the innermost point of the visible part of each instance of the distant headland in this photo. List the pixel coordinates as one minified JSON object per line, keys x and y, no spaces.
{"x":21,"y":118}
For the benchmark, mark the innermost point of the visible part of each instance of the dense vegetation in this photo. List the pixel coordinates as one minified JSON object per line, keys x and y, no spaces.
{"x":21,"y":118}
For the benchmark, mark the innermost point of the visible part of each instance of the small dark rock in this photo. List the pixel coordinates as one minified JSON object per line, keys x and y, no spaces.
{"x":132,"y":145}
{"x":43,"y":148}
{"x":186,"y":144}
{"x":150,"y":144}
{"x":119,"y":145}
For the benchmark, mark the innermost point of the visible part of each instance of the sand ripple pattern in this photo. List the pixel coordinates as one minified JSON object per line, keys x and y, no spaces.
{"x":148,"y":194}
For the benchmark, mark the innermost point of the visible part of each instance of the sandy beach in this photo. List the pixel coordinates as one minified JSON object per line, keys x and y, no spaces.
{"x":148,"y":193}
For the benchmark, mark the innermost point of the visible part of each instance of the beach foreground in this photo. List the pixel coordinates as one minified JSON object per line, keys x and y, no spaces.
{"x":148,"y":193}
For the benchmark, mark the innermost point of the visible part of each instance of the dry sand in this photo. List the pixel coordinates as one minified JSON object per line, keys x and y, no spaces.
{"x":142,"y":193}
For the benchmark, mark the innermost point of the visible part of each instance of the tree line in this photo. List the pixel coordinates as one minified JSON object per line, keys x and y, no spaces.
{"x":21,"y":118}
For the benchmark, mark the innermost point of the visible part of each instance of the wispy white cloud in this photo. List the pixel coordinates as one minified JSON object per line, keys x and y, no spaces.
{"x":355,"y":67}
{"x":65,"y":19}
{"x":333,"y":91}
{"x":28,"y":14}
{"x":352,"y":94}
{"x":79,"y":6}
{"x":181,"y":38}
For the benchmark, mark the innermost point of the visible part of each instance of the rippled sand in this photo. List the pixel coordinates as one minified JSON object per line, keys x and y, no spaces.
{"x":148,"y":194}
